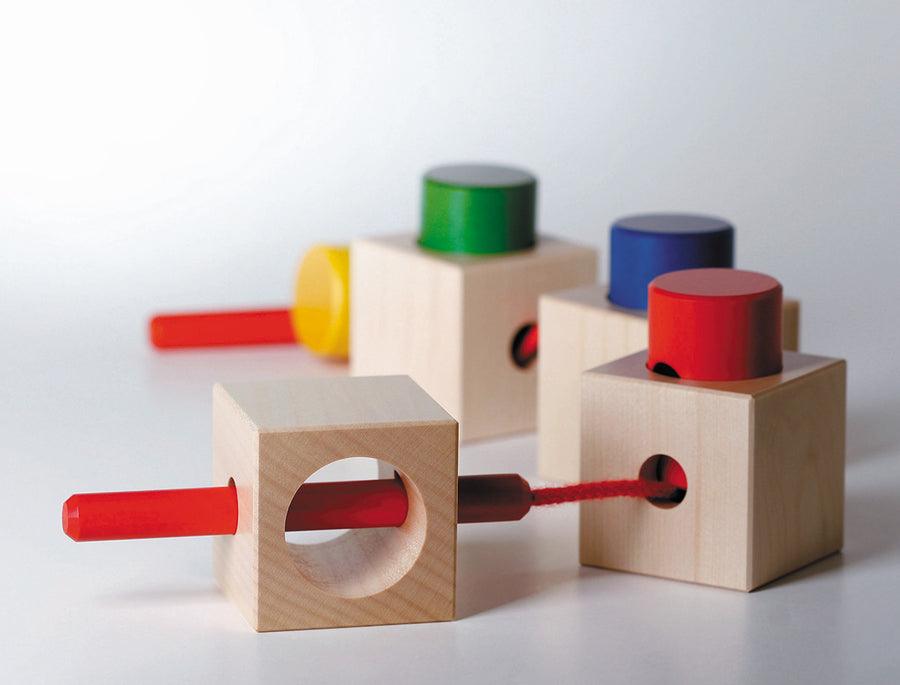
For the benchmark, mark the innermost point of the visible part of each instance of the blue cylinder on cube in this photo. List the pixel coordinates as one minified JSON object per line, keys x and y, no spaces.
{"x":645,"y":246}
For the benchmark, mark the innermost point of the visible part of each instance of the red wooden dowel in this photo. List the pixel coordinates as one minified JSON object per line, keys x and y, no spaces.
{"x":260,"y":327}
{"x":150,"y":514}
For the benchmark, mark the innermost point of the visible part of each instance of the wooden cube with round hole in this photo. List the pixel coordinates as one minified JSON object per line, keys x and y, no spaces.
{"x":761,"y":449}
{"x":584,"y":327}
{"x":270,"y":437}
{"x":446,"y":306}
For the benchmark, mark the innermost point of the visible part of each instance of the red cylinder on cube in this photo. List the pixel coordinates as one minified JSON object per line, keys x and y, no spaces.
{"x":715,"y":325}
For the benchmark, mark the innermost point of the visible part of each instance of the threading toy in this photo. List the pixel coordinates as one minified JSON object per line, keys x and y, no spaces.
{"x":758,"y":432}
{"x":396,"y":560}
{"x":326,"y":506}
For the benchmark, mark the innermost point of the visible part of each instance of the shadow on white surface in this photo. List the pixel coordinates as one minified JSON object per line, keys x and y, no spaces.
{"x":829,"y":565}
{"x":872,"y":431}
{"x":872,"y":523}
{"x":492,"y":574}
{"x":161,"y":595}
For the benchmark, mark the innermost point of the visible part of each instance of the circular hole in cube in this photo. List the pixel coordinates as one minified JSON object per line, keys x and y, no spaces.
{"x":661,"y":468}
{"x":362,"y":561}
{"x":524,"y":346}
{"x":664,"y":369}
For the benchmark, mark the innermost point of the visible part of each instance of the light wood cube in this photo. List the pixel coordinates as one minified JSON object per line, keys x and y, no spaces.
{"x":579,"y":329}
{"x":448,"y":320}
{"x":763,"y":458}
{"x":270,"y":437}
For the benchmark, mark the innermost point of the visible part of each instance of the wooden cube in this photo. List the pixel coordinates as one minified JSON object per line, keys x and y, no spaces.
{"x":449,"y":319}
{"x":269,"y":437}
{"x":763,"y":458}
{"x":580,"y":329}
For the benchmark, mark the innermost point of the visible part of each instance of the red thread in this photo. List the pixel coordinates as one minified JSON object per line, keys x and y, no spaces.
{"x":602,"y":490}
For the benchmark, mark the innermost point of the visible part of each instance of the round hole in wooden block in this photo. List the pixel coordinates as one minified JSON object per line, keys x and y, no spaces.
{"x":661,"y":468}
{"x":523,"y":348}
{"x":365,"y":561}
{"x":664,"y":369}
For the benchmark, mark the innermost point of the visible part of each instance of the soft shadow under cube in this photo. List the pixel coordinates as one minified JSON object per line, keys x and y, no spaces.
{"x":584,"y":327}
{"x":446,"y":307}
{"x":270,"y":437}
{"x":762,"y":454}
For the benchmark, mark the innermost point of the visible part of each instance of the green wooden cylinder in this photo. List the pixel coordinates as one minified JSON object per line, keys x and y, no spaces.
{"x":478,"y":209}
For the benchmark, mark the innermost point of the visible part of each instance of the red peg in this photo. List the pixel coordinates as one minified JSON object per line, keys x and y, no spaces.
{"x":319,"y":318}
{"x":150,"y":514}
{"x":263,"y":327}
{"x":715,"y":324}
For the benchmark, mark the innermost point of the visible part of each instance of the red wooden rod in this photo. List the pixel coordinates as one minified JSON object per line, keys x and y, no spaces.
{"x":150,"y":514}
{"x":348,"y":504}
{"x":261,"y":327}
{"x":318,"y":506}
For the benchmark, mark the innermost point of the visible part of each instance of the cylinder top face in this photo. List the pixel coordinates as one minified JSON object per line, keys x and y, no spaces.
{"x":672,"y":223}
{"x":479,"y":176}
{"x":711,"y":283}
{"x":478,"y":209}
{"x":715,"y":324}
{"x":645,"y":246}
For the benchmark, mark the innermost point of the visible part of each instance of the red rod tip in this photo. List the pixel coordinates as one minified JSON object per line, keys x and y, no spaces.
{"x":70,"y":518}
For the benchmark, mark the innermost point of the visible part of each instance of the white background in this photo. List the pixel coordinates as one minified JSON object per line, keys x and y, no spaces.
{"x":183,"y":155}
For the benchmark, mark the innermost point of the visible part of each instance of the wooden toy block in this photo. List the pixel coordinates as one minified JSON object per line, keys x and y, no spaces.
{"x":580,"y":329}
{"x":758,"y":433}
{"x":449,"y":319}
{"x":270,"y":437}
{"x":455,"y":306}
{"x":764,"y":460}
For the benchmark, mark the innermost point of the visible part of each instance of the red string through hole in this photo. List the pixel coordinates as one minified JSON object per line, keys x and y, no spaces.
{"x":524,"y":346}
{"x":661,"y":468}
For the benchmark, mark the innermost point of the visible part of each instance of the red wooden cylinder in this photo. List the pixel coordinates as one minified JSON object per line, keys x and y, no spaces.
{"x":150,"y":514}
{"x":215,"y":329}
{"x":715,"y":324}
{"x":348,"y":504}
{"x":316,"y":506}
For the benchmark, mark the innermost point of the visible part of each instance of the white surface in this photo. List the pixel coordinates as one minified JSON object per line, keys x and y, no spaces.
{"x":184,"y":154}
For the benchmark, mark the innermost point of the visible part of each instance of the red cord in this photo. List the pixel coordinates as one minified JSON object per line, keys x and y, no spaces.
{"x":601,"y":490}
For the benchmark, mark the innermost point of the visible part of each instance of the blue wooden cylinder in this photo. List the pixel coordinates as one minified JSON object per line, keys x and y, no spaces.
{"x":645,"y":246}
